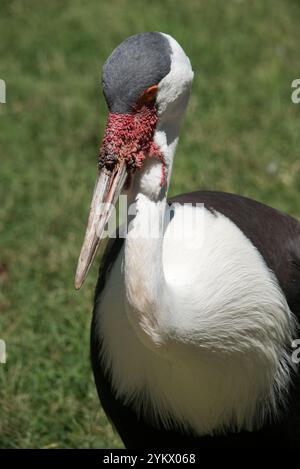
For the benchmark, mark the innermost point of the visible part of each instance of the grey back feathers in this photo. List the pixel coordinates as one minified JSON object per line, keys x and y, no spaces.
{"x":140,"y":61}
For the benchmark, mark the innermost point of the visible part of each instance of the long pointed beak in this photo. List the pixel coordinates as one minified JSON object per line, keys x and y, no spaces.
{"x":107,"y":190}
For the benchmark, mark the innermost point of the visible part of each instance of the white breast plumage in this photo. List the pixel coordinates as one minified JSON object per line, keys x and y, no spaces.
{"x":226,"y":365}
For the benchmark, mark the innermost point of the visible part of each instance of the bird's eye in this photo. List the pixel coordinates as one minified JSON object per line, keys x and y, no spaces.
{"x":148,"y":96}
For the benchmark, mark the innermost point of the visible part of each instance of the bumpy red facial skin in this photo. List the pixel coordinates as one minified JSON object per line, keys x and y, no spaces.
{"x":129,"y":137}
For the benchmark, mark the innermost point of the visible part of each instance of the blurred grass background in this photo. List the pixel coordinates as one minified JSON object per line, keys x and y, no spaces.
{"x":241,"y":135}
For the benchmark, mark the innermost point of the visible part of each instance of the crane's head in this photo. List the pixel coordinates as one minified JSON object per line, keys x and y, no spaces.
{"x":146,"y":83}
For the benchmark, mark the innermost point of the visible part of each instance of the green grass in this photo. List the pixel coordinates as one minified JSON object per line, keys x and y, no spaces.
{"x":241,"y":135}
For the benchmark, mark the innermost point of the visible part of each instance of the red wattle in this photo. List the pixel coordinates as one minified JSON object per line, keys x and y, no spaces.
{"x":129,"y":137}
